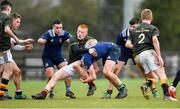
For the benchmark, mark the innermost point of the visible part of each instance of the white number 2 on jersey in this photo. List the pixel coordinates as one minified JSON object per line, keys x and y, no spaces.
{"x":141,"y":37}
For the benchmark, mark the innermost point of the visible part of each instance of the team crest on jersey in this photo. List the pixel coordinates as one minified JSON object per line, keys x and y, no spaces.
{"x":52,"y":40}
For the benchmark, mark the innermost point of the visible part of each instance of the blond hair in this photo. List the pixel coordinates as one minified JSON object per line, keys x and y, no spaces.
{"x":146,"y":14}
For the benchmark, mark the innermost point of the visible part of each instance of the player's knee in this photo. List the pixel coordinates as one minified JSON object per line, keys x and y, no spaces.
{"x":106,"y":73}
{"x":49,"y":73}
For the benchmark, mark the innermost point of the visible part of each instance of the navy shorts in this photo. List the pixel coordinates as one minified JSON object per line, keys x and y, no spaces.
{"x":113,"y":55}
{"x":124,"y":56}
{"x":51,"y":61}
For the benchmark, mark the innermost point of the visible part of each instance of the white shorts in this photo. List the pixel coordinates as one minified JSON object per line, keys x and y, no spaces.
{"x":148,"y":60}
{"x":6,"y":57}
{"x":69,"y":68}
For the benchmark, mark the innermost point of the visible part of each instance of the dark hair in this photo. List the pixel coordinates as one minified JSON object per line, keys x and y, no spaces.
{"x":134,"y":21}
{"x":16,"y":15}
{"x":4,"y":4}
{"x":57,"y":21}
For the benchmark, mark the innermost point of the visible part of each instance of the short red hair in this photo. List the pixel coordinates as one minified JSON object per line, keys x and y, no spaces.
{"x":83,"y":26}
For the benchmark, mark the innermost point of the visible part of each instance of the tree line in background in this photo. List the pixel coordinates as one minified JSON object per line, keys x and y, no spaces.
{"x":104,"y":17}
{"x":167,"y":19}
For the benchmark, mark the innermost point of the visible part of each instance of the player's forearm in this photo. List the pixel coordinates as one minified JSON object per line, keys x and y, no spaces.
{"x":89,"y":79}
{"x":19,"y":47}
{"x":75,"y":49}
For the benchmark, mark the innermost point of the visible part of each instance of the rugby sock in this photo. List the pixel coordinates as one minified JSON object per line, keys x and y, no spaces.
{"x":4,"y":83}
{"x":18,"y":92}
{"x":176,"y":80}
{"x":165,"y":87}
{"x":68,"y":89}
{"x":121,"y":86}
{"x":109,"y":91}
{"x":91,"y":84}
{"x":148,"y":83}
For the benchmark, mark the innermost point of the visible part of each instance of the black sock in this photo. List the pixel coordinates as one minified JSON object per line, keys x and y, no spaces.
{"x":91,"y":84}
{"x":4,"y":81}
{"x":165,"y":87}
{"x":109,"y":91}
{"x":148,"y":83}
{"x":3,"y":84}
{"x":176,"y":80}
{"x":18,"y":92}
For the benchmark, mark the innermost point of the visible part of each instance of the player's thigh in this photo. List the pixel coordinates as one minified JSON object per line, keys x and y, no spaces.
{"x":109,"y":66}
{"x":152,"y":60}
{"x":65,"y":72}
{"x":141,"y":61}
{"x":70,"y":69}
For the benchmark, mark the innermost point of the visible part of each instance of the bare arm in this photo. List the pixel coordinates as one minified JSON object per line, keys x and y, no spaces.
{"x":8,"y":30}
{"x":129,"y":44}
{"x":10,"y":33}
{"x":92,"y":75}
{"x":157,"y":49}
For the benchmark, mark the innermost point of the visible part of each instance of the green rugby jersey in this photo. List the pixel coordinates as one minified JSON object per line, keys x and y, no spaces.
{"x":141,"y":37}
{"x":77,"y":48}
{"x":5,"y":43}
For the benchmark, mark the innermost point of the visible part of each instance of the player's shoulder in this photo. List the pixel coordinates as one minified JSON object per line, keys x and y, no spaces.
{"x":49,"y":33}
{"x":154,"y":27}
{"x":124,"y":32}
{"x":65,"y":33}
{"x":90,"y":37}
{"x":2,"y":15}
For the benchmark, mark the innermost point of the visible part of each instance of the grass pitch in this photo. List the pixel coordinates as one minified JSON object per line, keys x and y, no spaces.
{"x":133,"y":100}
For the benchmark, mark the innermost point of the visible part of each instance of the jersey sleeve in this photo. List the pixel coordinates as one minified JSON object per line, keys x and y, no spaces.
{"x":45,"y":36}
{"x":119,"y":40}
{"x":67,"y":36}
{"x":155,"y":32}
{"x":87,"y":60}
{"x":131,"y":36}
{"x":75,"y":48}
{"x":7,"y":21}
